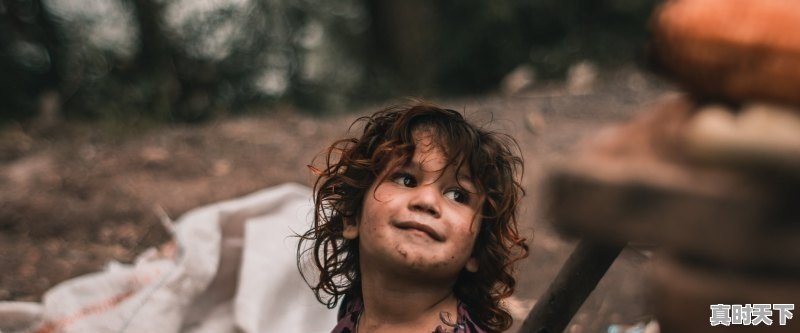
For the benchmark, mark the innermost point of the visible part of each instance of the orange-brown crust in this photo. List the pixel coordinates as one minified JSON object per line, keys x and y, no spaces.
{"x":734,"y":49}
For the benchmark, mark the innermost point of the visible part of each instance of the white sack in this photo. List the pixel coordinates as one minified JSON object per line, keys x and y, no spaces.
{"x":234,"y":271}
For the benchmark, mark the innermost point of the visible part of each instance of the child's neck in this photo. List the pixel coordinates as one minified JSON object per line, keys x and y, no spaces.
{"x":398,"y":304}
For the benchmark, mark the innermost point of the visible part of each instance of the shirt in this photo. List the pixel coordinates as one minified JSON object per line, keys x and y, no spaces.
{"x":349,"y":313}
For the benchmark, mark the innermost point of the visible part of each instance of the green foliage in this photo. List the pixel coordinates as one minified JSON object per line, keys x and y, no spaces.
{"x":467,"y":46}
{"x":177,"y":61}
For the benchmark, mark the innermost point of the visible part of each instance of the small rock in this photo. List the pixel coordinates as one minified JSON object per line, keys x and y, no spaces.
{"x":581,"y":78}
{"x":535,"y":122}
{"x":519,"y":79}
{"x":221,"y":168}
{"x":26,"y":170}
{"x":154,"y":154}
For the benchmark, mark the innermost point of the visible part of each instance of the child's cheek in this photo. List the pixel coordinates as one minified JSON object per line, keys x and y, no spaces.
{"x":384,"y":192}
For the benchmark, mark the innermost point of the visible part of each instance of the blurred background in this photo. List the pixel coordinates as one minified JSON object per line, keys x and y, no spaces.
{"x":195,"y":60}
{"x":109,"y":108}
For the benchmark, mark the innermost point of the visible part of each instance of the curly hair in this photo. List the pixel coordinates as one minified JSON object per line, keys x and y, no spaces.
{"x":352,"y":165}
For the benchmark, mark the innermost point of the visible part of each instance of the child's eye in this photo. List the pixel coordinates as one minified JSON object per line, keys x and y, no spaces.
{"x":405,"y":180}
{"x":457,"y":195}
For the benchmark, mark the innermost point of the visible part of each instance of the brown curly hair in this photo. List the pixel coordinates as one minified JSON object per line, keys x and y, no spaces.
{"x":352,"y":165}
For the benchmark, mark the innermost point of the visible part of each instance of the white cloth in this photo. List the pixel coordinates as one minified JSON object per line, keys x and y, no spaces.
{"x":234,"y":271}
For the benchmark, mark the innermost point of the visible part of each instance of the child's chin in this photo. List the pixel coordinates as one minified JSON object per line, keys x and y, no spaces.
{"x":427,"y":267}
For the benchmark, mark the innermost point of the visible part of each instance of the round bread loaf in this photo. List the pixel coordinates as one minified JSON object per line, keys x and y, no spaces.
{"x":736,"y":50}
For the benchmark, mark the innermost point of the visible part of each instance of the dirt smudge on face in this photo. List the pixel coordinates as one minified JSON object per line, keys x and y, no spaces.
{"x":402,"y":252}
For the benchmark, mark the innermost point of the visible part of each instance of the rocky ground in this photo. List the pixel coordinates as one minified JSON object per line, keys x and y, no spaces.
{"x":77,"y":195}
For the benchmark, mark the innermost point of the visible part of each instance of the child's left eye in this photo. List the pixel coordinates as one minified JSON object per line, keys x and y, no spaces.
{"x":457,"y":195}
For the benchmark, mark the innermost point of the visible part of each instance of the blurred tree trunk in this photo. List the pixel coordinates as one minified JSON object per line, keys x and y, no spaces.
{"x":405,"y":33}
{"x":154,"y":48}
{"x":154,"y":61}
{"x":182,"y":87}
{"x":29,"y":22}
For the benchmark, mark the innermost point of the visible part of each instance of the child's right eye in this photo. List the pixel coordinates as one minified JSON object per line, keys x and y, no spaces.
{"x":405,"y":180}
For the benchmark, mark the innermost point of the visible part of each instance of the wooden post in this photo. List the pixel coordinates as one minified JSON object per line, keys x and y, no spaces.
{"x":578,"y":277}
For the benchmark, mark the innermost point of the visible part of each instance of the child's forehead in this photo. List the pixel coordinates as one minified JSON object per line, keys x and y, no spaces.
{"x":426,"y":141}
{"x":431,"y":153}
{"x":427,"y":137}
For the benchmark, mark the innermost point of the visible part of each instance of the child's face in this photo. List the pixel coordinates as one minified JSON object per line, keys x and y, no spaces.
{"x":421,"y":219}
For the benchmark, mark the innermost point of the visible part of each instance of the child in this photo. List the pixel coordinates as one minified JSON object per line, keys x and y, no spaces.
{"x":415,"y":225}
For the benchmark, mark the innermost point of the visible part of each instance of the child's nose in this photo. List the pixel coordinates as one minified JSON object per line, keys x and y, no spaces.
{"x":426,"y":200}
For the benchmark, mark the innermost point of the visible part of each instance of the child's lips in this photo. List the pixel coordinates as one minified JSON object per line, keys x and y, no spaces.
{"x":421,"y":227}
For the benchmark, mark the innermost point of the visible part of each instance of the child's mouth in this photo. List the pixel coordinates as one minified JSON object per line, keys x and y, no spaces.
{"x":421,"y":227}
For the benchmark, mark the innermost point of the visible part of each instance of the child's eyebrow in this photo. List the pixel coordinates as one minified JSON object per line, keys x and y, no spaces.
{"x":464,"y":179}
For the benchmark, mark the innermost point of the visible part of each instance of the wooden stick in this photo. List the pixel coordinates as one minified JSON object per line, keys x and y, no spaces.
{"x":578,"y":277}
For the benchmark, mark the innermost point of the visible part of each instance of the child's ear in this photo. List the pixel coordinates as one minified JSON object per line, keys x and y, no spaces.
{"x":472,"y":265}
{"x":350,"y":230}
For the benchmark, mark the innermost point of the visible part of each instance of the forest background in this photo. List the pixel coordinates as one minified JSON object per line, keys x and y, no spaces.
{"x":188,"y":61}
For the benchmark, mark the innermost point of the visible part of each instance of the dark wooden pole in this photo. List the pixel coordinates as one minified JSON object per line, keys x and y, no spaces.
{"x":583,"y":270}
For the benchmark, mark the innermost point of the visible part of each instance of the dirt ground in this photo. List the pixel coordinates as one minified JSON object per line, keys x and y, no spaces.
{"x":77,"y":195}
